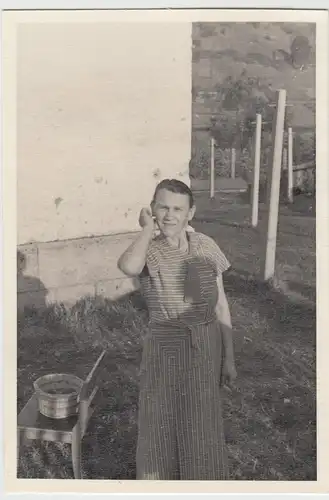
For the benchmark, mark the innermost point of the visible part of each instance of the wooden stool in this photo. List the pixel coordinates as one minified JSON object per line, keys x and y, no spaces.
{"x":31,"y":424}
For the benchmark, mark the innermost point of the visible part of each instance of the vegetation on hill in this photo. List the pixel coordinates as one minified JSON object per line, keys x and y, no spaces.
{"x":237,"y":68}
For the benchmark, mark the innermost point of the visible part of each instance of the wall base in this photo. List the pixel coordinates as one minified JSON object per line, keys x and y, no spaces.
{"x":66,"y":271}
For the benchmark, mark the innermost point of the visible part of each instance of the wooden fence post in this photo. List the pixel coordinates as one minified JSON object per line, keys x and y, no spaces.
{"x":255,"y":185}
{"x":212,"y":167}
{"x":274,"y":188}
{"x":290,"y":185}
{"x":233,"y":161}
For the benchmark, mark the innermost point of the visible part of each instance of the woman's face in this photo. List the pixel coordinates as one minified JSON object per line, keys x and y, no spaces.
{"x":172,"y":212}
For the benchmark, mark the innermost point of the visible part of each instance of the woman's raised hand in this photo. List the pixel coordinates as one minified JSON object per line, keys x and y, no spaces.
{"x":146,"y":219}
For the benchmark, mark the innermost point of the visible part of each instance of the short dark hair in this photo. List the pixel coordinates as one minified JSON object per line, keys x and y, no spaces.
{"x":175,"y":186}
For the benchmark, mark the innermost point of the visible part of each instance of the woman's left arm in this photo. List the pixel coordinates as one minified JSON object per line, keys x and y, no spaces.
{"x":224,"y":318}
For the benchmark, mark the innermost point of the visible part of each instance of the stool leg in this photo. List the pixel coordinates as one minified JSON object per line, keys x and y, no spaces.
{"x":76,"y":453}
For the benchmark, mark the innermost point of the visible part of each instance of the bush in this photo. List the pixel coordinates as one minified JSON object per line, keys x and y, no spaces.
{"x":305,"y":147}
{"x":233,"y":126}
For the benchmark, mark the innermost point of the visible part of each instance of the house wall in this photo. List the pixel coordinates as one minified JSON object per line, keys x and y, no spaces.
{"x":103,"y":114}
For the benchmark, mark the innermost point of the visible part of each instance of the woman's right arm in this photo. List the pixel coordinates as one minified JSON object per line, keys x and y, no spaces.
{"x":132,"y":261}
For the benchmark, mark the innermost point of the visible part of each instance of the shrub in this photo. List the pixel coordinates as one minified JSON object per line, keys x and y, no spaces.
{"x":233,"y":125}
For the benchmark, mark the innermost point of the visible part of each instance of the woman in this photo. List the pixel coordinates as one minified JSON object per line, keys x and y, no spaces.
{"x":188,"y":352}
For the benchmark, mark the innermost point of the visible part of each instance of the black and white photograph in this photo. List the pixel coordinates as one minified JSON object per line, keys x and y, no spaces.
{"x":166,"y":249}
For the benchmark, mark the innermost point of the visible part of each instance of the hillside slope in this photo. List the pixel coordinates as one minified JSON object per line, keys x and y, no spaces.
{"x":236,"y":70}
{"x":244,"y":50}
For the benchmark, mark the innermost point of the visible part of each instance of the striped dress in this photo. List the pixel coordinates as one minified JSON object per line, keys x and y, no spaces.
{"x":180,"y":427}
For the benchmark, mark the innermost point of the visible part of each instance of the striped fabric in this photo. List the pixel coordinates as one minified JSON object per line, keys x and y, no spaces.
{"x":180,"y":415}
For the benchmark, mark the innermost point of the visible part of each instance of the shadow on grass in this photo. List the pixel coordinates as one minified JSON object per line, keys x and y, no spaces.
{"x":273,"y":304}
{"x":288,"y":319}
{"x":306,"y":291}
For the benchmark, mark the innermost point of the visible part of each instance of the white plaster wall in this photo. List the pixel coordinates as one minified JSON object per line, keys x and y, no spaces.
{"x":103,"y":113}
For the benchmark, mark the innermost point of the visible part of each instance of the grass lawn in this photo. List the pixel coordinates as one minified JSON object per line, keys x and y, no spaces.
{"x":269,"y":415}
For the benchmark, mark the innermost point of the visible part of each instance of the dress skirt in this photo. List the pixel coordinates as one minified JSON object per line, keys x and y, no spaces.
{"x":180,"y":424}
